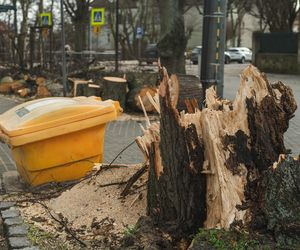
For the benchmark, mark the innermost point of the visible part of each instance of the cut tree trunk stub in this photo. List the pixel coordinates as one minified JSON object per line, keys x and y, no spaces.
{"x":207,"y":167}
{"x":115,"y":88}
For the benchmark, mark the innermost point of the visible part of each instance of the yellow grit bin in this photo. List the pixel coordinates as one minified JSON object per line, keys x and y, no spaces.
{"x":57,"y":139}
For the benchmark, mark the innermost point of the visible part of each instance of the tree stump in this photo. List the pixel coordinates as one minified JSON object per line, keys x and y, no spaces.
{"x":115,"y":88}
{"x":207,"y":168}
{"x":281,"y":200}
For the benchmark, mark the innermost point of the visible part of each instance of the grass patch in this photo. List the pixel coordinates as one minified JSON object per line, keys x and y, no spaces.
{"x":130,"y":230}
{"x":220,"y":239}
{"x":44,"y":240}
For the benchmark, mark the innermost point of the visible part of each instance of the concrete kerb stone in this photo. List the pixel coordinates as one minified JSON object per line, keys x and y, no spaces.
{"x":15,"y":229}
{"x":29,"y":248}
{"x":6,"y":205}
{"x":12,"y":182}
{"x":19,"y":230}
{"x":13,"y":221}
{"x":10,"y":213}
{"x":19,"y":242}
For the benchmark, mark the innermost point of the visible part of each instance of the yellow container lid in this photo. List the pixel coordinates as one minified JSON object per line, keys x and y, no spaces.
{"x":37,"y":116}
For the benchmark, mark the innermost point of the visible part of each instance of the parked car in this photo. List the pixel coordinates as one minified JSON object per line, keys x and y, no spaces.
{"x":198,"y":50}
{"x":239,"y":54}
{"x":195,"y":53}
{"x":151,"y":53}
{"x":227,"y":57}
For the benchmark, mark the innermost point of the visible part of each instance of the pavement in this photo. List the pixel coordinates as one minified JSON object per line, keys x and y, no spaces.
{"x":122,"y":133}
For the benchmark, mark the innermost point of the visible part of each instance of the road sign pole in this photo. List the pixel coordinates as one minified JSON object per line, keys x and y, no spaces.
{"x":64,"y":71}
{"x":213,"y":45}
{"x":117,"y":38}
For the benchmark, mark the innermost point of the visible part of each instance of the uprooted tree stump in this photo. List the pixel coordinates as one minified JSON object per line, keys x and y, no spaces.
{"x":213,"y":168}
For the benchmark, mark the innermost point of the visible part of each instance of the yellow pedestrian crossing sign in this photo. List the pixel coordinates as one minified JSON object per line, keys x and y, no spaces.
{"x":97,"y":29}
{"x":46,"y":19}
{"x":97,"y":17}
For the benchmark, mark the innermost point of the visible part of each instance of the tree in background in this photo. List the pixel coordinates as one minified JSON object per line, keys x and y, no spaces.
{"x":172,"y":42}
{"x":236,"y":10}
{"x":173,"y":33}
{"x":278,"y":16}
{"x":132,"y":14}
{"x":78,"y":10}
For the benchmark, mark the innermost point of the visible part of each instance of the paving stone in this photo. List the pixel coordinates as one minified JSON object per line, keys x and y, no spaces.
{"x":30,"y":248}
{"x":12,"y":181}
{"x":13,"y":221}
{"x":6,"y":204}
{"x":19,"y":242}
{"x":19,"y":230}
{"x":10,"y":213}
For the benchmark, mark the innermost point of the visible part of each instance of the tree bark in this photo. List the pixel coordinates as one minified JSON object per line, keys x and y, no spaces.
{"x":80,"y":34}
{"x":282,"y":200}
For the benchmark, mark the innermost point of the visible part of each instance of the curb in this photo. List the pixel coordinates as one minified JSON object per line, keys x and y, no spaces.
{"x":15,"y":231}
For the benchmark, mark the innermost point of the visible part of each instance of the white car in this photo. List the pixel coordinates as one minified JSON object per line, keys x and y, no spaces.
{"x":239,"y":54}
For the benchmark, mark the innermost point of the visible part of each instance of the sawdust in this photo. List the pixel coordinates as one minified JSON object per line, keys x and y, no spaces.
{"x":94,"y":211}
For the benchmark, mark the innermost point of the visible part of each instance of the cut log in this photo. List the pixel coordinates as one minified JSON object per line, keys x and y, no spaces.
{"x":40,"y":81}
{"x":115,"y":88}
{"x":15,"y":86}
{"x":5,"y":88}
{"x":133,"y":98}
{"x":42,"y":92}
{"x":24,"y":92}
{"x":206,"y":168}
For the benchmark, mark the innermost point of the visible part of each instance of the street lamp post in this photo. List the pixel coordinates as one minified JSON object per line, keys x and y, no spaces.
{"x":64,"y":72}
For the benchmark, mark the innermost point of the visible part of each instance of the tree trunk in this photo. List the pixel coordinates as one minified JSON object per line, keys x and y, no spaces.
{"x":80,"y":35}
{"x":172,"y":43}
{"x":282,"y":200}
{"x":208,"y":168}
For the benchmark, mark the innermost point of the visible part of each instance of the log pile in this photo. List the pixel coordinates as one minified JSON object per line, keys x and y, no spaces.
{"x":27,"y":87}
{"x":213,"y":168}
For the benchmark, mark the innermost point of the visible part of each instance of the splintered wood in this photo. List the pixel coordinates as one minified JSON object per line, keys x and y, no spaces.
{"x":221,"y":151}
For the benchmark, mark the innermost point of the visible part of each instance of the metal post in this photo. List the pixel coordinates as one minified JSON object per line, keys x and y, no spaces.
{"x":64,"y":72}
{"x":51,"y":49}
{"x":117,"y":38}
{"x":213,"y":45}
{"x":31,"y":45}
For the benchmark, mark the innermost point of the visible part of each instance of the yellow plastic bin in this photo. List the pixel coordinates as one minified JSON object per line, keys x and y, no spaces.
{"x":57,"y":139}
